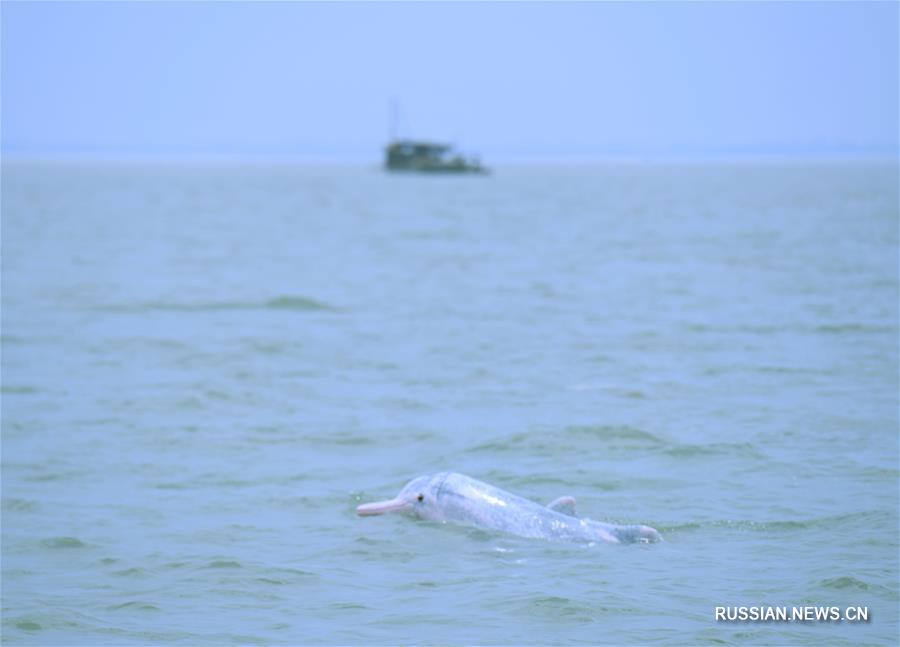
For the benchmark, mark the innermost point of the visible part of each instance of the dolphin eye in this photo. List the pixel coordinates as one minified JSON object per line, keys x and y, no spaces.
{"x":421,"y":497}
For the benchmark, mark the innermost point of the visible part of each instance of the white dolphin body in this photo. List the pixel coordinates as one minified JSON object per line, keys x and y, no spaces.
{"x":455,"y":498}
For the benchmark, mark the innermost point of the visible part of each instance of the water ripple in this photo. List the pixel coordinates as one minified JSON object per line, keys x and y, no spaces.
{"x":295,"y":303}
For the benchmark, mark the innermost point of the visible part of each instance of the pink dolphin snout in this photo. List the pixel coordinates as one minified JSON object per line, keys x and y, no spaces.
{"x":381,"y":507}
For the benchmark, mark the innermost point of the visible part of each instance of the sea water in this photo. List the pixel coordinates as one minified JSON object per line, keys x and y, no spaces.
{"x":206,"y":368}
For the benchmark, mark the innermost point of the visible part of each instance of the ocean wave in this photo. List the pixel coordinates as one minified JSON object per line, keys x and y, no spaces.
{"x":613,"y":432}
{"x":610,"y":438}
{"x":286,"y":302}
{"x":133,"y":605}
{"x":845,"y":582}
{"x":14,"y":504}
{"x":775,"y":526}
{"x":747,"y":450}
{"x":58,"y":543}
{"x":570,"y":438}
{"x":853,"y":584}
{"x":20,"y":390}
{"x":224,"y":563}
{"x":849,"y":327}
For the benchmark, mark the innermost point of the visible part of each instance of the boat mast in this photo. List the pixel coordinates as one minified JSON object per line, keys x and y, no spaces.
{"x":394,"y":117}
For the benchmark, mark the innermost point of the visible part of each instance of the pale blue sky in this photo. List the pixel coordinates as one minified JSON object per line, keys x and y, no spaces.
{"x":507,"y":80}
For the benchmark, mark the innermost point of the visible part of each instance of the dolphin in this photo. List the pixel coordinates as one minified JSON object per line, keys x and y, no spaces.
{"x":449,"y":497}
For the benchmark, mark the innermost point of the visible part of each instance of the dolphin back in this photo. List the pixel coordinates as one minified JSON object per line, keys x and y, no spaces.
{"x":462,"y":499}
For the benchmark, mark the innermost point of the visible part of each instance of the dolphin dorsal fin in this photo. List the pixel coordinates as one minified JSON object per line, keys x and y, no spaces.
{"x":564,"y":505}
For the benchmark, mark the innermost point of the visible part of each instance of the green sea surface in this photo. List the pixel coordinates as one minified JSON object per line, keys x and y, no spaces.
{"x":206,"y":368}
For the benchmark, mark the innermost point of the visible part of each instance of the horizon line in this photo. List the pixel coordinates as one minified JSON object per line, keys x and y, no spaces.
{"x":505,"y":160}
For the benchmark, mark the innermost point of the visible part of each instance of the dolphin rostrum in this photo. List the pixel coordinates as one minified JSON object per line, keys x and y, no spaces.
{"x":455,"y":498}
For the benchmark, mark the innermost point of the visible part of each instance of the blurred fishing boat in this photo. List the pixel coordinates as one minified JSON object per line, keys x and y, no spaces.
{"x":407,"y":154}
{"x":428,"y":157}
